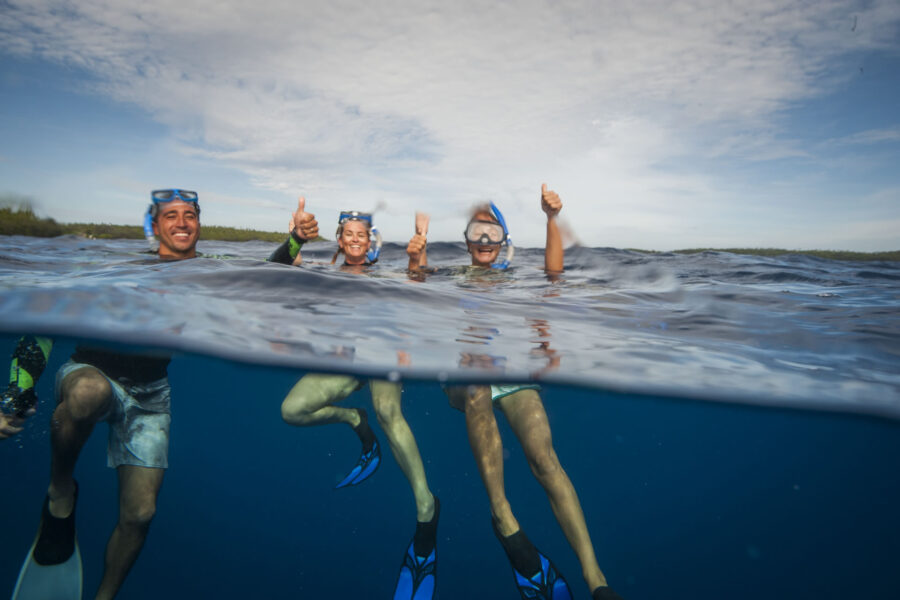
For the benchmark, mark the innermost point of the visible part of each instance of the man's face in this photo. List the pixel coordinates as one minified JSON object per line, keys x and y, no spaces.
{"x":178,"y":227}
{"x":354,"y":242}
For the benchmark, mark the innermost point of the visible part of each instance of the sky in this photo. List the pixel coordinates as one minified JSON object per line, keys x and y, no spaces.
{"x":662,"y":125}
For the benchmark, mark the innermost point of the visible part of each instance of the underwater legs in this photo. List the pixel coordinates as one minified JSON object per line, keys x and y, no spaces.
{"x":85,"y":396}
{"x":525,"y":413}
{"x":310,"y":401}
{"x":386,"y":400}
{"x":487,"y":448}
{"x":138,"y":490}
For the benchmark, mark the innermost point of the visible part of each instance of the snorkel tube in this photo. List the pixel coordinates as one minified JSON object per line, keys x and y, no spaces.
{"x":375,"y":251}
{"x":148,"y":229}
{"x":510,"y":249}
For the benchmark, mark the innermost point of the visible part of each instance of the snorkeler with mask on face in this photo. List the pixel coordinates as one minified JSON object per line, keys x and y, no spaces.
{"x":312,"y":402}
{"x":536,"y":576}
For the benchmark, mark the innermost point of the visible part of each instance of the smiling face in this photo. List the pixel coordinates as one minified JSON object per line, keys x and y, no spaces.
{"x":177,"y":225}
{"x":483,"y":255}
{"x":354,"y":242}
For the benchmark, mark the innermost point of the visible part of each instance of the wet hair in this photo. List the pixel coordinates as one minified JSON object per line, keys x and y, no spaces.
{"x":482,"y":209}
{"x":340,"y":232}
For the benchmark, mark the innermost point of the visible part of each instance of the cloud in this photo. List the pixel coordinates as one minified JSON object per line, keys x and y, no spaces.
{"x":871,"y":136}
{"x":459,"y":101}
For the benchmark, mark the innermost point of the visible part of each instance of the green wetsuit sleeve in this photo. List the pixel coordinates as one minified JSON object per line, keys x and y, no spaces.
{"x":28,"y":363}
{"x":287,"y":251}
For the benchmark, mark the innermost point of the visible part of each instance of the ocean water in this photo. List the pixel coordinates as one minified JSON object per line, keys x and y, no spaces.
{"x":730,"y":422}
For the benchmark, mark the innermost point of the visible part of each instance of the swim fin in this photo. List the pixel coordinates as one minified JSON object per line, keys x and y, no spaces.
{"x":418,"y":576}
{"x":369,"y":458}
{"x":418,"y":573}
{"x":605,"y":593}
{"x":52,"y":569}
{"x":536,"y":576}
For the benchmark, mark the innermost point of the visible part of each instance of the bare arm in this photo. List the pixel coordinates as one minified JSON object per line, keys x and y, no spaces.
{"x":553,"y":251}
{"x":417,"y":248}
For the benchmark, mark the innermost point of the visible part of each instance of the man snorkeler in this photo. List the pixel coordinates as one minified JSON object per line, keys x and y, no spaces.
{"x":536,"y":577}
{"x":131,"y":393}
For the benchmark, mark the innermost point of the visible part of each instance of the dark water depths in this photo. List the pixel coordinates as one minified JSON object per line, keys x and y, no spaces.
{"x":684,"y":498}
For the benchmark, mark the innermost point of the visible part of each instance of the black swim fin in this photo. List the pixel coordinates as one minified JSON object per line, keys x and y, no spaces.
{"x":52,"y":570}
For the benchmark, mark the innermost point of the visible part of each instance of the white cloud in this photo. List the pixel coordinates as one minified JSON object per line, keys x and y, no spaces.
{"x":442,"y":104}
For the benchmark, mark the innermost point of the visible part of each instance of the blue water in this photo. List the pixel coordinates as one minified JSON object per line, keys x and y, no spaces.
{"x":694,"y":431}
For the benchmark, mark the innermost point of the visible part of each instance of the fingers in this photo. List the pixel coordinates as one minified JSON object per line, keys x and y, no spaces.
{"x":8,"y":426}
{"x":422,"y":220}
{"x":416,"y":245}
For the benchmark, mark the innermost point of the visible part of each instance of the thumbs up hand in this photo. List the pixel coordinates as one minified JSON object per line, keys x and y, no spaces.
{"x":550,"y":202}
{"x":304,"y":224}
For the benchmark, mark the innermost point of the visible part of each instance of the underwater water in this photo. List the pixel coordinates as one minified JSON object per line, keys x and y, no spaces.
{"x":730,"y":422}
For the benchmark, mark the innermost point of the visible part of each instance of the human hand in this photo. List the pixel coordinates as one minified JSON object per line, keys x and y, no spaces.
{"x":10,"y":425}
{"x":417,"y":244}
{"x":550,"y":202}
{"x":304,"y":224}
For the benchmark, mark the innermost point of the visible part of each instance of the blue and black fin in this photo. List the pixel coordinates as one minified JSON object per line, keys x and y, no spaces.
{"x":418,"y":573}
{"x":370,"y":456}
{"x":536,"y":576}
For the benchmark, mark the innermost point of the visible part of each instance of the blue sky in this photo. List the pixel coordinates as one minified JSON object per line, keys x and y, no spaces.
{"x":662,"y":125}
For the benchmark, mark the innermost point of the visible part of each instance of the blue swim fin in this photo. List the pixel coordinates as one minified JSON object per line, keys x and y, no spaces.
{"x":418,"y":576}
{"x":536,"y":576}
{"x":366,"y":465}
{"x":52,"y":569}
{"x":546,"y":584}
{"x":418,"y":573}
{"x":369,"y":459}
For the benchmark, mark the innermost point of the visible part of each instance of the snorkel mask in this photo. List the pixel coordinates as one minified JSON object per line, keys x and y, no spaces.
{"x":374,"y":234}
{"x":164,"y":196}
{"x":489,"y":233}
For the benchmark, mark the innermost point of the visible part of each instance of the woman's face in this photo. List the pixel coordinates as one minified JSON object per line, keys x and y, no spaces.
{"x":355,"y":242}
{"x":483,"y":255}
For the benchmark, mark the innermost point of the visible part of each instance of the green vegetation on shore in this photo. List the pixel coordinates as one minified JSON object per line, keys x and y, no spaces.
{"x":21,"y":220}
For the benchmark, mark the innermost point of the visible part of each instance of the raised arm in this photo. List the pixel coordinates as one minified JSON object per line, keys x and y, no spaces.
{"x":304,"y":228}
{"x":553,"y":251}
{"x":417,"y":247}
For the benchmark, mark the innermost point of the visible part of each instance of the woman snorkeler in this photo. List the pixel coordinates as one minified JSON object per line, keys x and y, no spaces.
{"x":312,"y":402}
{"x":536,"y":577}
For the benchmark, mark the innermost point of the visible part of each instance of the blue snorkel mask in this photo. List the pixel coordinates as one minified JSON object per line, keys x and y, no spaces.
{"x":490,"y":233}
{"x":374,"y":234}
{"x":164,"y":196}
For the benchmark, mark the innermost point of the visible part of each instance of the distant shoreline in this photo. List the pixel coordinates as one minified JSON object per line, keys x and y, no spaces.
{"x":22,"y":221}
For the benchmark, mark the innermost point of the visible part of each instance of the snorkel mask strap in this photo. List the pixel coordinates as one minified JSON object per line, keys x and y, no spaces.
{"x":510,"y":249}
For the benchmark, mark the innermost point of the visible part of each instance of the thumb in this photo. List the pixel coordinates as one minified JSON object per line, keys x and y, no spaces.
{"x":543,"y":188}
{"x":301,"y":205}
